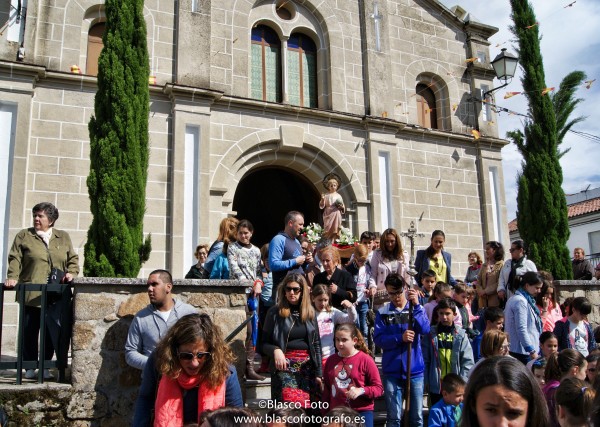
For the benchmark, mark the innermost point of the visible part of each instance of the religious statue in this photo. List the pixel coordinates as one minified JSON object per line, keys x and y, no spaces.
{"x":333,"y":207}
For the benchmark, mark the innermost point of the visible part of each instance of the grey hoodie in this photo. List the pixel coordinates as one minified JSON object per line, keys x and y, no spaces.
{"x":148,"y":328}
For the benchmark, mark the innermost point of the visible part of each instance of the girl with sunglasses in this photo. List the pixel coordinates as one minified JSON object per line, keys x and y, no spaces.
{"x":291,"y":340}
{"x":192,"y":367}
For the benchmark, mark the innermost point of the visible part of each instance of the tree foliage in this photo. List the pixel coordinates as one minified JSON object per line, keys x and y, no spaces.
{"x":118,"y":130}
{"x":541,"y":204}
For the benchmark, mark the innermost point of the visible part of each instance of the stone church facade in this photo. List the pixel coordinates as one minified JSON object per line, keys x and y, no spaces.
{"x":252,"y":103}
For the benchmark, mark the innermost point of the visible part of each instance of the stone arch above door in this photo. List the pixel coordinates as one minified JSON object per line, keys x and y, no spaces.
{"x":287,"y":146}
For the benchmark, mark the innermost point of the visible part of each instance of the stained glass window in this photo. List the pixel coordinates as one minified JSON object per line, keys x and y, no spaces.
{"x":265,"y":75}
{"x":302,"y":71}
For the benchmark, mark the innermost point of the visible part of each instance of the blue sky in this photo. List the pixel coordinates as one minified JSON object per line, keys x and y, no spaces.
{"x":570,"y":41}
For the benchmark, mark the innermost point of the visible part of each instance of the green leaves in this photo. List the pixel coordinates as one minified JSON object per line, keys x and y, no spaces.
{"x":119,"y":147}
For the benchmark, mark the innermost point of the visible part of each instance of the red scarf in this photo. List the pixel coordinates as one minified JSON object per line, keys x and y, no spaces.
{"x":168,"y":408}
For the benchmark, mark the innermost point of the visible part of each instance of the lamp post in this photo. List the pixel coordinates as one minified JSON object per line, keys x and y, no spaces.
{"x":505,"y":66}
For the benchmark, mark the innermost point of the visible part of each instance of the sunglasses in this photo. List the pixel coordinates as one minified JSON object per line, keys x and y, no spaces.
{"x":591,"y":369}
{"x":293,"y":290}
{"x":185,"y":355}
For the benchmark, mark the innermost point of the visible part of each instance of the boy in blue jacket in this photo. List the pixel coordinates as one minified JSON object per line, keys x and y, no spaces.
{"x":446,"y":350}
{"x":447,"y":412}
{"x":393,"y":333}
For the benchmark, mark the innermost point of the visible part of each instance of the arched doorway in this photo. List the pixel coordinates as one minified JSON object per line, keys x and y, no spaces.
{"x":265,"y":195}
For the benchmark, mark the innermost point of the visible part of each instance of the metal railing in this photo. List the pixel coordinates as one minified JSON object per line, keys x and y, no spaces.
{"x":51,"y":294}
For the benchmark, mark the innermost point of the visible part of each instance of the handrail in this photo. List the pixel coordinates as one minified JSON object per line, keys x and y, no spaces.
{"x":65,"y":330}
{"x":237,"y":330}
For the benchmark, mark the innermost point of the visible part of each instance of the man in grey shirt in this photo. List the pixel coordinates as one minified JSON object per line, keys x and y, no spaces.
{"x":152,"y":323}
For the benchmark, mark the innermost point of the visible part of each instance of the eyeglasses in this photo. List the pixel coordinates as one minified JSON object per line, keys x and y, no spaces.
{"x":591,"y":369}
{"x":293,"y":290}
{"x":186,"y":355}
{"x":394,"y":294}
{"x":505,"y":347}
{"x":511,"y":250}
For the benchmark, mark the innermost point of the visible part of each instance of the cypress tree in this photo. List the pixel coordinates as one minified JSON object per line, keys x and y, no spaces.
{"x":118,"y":130}
{"x":541,"y":204}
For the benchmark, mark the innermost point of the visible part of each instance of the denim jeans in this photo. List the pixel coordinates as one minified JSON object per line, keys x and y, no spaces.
{"x":393,"y":390}
{"x":361,"y":309}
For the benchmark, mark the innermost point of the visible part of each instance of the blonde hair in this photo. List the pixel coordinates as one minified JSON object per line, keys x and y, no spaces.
{"x":492,"y":341}
{"x":361,"y":251}
{"x":333,"y":251}
{"x":227,"y":229}
{"x":307,"y":312}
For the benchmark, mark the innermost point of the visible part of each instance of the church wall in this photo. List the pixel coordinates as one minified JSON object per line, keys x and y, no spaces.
{"x":56,"y":164}
{"x":437,"y":179}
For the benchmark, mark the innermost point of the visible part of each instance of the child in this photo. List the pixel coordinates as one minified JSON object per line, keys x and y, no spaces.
{"x":574,"y":331}
{"x":441,"y":290}
{"x":447,"y":350}
{"x":328,"y":317}
{"x":427,"y":285}
{"x":393,"y":333}
{"x":361,"y":273}
{"x":461,"y":299}
{"x":568,"y":363}
{"x":244,"y":264}
{"x":350,"y":376}
{"x":447,"y":412}
{"x":471,"y":297}
{"x":538,"y":368}
{"x":493,"y":318}
{"x":548,"y":346}
{"x":575,"y":402}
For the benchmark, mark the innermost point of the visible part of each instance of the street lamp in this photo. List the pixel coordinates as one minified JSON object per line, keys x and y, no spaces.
{"x":505,"y":66}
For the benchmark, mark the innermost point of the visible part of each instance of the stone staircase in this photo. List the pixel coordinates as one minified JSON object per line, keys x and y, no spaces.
{"x":258,"y":396}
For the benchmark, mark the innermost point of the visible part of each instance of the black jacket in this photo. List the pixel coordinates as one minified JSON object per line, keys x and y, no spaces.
{"x":276,"y":332}
{"x":345,"y":283}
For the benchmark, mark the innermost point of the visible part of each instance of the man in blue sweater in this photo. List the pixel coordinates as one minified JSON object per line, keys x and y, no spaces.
{"x":393,"y":333}
{"x":285,"y":251}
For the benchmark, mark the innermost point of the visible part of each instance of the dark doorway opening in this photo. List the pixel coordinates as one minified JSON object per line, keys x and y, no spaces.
{"x":264,"y":197}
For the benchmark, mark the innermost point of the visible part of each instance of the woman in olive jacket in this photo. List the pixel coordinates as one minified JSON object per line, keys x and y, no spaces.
{"x":34,"y":253}
{"x":292,"y":342}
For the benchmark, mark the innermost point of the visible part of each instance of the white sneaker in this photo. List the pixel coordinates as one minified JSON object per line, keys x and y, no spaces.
{"x":48,"y":375}
{"x":30,"y":374}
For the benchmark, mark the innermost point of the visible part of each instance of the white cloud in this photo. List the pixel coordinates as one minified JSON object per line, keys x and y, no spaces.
{"x":570,"y":41}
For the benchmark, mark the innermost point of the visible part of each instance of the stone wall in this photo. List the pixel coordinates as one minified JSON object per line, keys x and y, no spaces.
{"x":103,"y":387}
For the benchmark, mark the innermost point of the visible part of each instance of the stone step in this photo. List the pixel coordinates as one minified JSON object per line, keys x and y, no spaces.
{"x":258,"y":389}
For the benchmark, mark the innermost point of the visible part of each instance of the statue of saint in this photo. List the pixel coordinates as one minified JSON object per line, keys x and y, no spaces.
{"x":333,"y":207}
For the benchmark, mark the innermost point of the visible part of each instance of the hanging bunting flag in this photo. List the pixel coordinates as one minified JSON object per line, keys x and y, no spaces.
{"x":454,"y":107}
{"x":531,"y":26}
{"x":588,"y":83}
{"x":476,"y":134}
{"x":546,"y":90}
{"x":570,"y":4}
{"x":427,"y":110}
{"x":471,"y":60}
{"x":511,"y":94}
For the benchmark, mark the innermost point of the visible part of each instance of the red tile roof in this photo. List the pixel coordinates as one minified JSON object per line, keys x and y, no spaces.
{"x":575,"y":210}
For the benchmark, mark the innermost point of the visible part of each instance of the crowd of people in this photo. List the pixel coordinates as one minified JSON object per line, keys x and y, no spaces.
{"x":496,"y":348}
